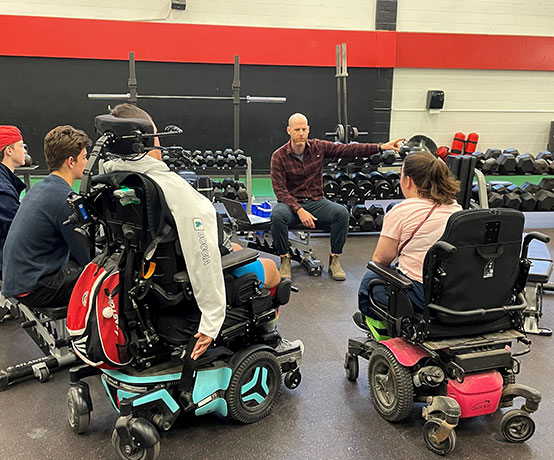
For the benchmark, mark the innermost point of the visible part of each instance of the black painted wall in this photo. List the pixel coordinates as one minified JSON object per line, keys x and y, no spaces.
{"x":38,"y":94}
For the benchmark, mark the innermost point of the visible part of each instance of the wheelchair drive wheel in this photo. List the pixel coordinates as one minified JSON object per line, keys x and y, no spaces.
{"x":517,"y":426}
{"x":127,"y":451}
{"x":78,"y":408}
{"x":254,"y":387}
{"x":390,"y":384}
{"x":438,"y":447}
{"x":352,"y":367}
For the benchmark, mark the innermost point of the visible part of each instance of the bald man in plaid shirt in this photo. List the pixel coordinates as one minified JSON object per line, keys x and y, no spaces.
{"x":296,"y":175}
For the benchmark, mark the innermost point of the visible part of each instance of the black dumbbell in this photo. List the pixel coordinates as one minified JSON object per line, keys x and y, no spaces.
{"x":374,"y":159}
{"x":388,"y":157}
{"x":365,"y":187}
{"x":480,"y":156}
{"x":391,"y":205}
{"x":492,"y":153}
{"x":403,"y":152}
{"x":378,"y":214}
{"x":218,"y":189}
{"x":507,"y":163}
{"x":364,"y":220}
{"x":545,"y":200}
{"x":510,"y":198}
{"x":242,"y":194}
{"x":220,"y":160}
{"x":209,"y":158}
{"x":528,"y":200}
{"x":543,"y":162}
{"x":229,"y":190}
{"x":525,"y":163}
{"x":331,"y":188}
{"x":241,"y":158}
{"x":547,"y":183}
{"x":512,"y":151}
{"x":348,"y":189}
{"x":495,"y":199}
{"x":393,"y":178}
{"x":381,"y":187}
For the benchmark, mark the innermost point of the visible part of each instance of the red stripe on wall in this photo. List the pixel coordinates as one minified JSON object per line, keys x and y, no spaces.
{"x":99,"y":39}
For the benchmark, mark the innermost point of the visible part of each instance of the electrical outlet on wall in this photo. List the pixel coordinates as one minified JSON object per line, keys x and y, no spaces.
{"x":179,"y":4}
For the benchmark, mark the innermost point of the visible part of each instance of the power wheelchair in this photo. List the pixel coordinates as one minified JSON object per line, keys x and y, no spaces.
{"x":456,"y":356}
{"x":241,"y":373}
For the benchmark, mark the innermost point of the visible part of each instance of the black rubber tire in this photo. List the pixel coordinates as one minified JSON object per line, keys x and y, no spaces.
{"x":441,"y":448}
{"x":390,"y":385}
{"x":78,"y":415}
{"x":149,"y":453}
{"x":352,"y":367}
{"x":267,"y":387}
{"x":293,"y":379}
{"x":508,"y":379}
{"x":517,"y":426}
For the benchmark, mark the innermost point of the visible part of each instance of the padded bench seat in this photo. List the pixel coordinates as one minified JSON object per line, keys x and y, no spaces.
{"x":52,"y":312}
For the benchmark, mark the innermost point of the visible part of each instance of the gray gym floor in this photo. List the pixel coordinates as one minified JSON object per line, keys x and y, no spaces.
{"x":326,"y":417}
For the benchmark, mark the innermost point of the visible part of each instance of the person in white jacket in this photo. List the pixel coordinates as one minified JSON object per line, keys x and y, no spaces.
{"x":198,"y":235}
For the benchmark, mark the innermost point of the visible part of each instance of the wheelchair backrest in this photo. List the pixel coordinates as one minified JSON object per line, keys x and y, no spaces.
{"x":483,"y":270}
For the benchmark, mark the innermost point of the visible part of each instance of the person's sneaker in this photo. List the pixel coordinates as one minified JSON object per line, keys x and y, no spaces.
{"x":284,"y":269}
{"x":288,"y":346}
{"x":335,"y":270}
{"x":359,"y":321}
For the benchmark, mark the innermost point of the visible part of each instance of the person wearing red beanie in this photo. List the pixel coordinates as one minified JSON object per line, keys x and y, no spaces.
{"x":12,"y":155}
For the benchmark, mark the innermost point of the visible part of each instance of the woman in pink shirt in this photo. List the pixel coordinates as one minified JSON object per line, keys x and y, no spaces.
{"x":413,"y":226}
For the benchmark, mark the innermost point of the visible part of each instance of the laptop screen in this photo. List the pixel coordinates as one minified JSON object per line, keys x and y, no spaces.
{"x":235,"y":209}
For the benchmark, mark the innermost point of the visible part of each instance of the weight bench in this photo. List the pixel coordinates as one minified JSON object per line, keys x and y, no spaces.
{"x":259,"y":237}
{"x":46,"y":326}
{"x":537,"y":283}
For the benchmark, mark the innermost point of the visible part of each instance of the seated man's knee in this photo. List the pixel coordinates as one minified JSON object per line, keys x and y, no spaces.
{"x":341,"y":214}
{"x":281,"y":214}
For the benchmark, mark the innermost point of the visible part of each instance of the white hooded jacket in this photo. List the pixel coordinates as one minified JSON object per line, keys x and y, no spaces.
{"x":195,"y":218}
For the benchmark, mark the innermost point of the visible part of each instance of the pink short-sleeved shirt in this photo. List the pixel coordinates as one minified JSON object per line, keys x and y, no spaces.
{"x":403,"y":219}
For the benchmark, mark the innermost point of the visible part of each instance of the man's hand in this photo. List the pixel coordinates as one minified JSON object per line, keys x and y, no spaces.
{"x":393,"y":145}
{"x":201,"y":345}
{"x":306,"y":218}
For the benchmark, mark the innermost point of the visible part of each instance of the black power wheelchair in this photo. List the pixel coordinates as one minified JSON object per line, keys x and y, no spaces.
{"x":456,"y":356}
{"x":241,"y":373}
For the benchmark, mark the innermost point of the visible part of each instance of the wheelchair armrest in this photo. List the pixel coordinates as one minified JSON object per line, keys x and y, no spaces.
{"x":390,"y":275}
{"x":530,"y":237}
{"x":239,"y":258}
{"x":442,"y":250}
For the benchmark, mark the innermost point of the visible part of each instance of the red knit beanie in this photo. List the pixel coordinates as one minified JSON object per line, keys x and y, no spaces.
{"x":9,"y":135}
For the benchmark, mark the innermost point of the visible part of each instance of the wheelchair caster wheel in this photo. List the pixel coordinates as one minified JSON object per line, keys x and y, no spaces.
{"x":78,"y":412}
{"x":41,"y":372}
{"x":132,"y":449}
{"x":438,"y":447}
{"x":517,"y":426}
{"x":293,"y":379}
{"x":352,"y":367}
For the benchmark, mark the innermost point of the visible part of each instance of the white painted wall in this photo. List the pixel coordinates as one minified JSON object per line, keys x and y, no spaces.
{"x":506,"y":108}
{"x":302,"y":14}
{"x":495,"y":17}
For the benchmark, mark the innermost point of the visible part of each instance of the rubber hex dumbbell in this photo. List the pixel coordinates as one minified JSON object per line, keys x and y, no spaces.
{"x":220,"y":160}
{"x":229,"y":190}
{"x":348,"y":189}
{"x":242,"y":194}
{"x":525,"y":163}
{"x":218,"y":189}
{"x":495,"y":199}
{"x":364,"y":220}
{"x":492,"y":153}
{"x":375,"y":159}
{"x":507,"y":163}
{"x":545,"y":200}
{"x":547,"y":183}
{"x":331,"y":188}
{"x":510,"y":199}
{"x":365,"y":187}
{"x":388,"y":157}
{"x":393,"y":178}
{"x":241,"y":158}
{"x":381,"y":187}
{"x":209,"y":158}
{"x":480,"y":156}
{"x":546,"y":157}
{"x":378,"y":214}
{"x":528,"y":200}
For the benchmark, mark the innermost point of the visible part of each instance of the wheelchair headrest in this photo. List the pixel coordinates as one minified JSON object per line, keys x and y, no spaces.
{"x":127,"y":134}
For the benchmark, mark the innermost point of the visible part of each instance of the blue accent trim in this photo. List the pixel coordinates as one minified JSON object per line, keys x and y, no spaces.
{"x":264,"y":380}
{"x":122,"y":394}
{"x":160,"y":394}
{"x":209,"y":381}
{"x":254,"y":396}
{"x":218,"y":405}
{"x":142,"y":380}
{"x":250,"y":385}
{"x":107,"y":388}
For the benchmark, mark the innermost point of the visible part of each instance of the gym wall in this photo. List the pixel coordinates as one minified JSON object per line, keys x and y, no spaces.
{"x":303,"y":14}
{"x":506,"y":107}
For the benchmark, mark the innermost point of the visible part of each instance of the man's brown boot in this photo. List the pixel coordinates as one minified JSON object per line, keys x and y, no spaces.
{"x":284,"y":269}
{"x":335,"y":270}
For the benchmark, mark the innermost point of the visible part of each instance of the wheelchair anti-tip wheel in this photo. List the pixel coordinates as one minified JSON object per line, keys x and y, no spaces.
{"x":517,"y":426}
{"x":390,"y":385}
{"x":78,"y":412}
{"x":254,"y":387}
{"x":137,"y":452}
{"x":443,"y":447}
{"x":352,"y":367}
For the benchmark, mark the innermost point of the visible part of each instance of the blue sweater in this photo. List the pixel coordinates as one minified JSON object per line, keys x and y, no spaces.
{"x":11,"y":187}
{"x":38,"y":243}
